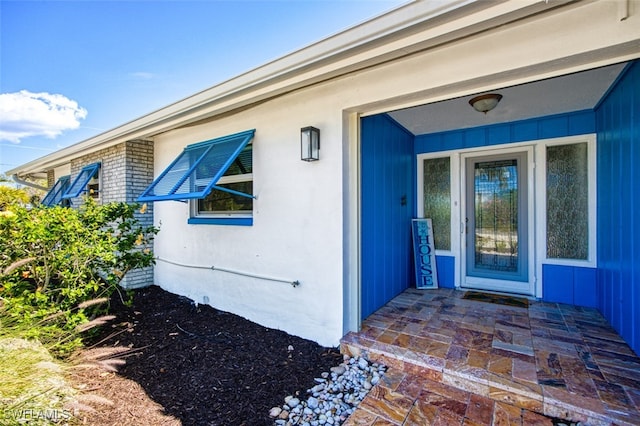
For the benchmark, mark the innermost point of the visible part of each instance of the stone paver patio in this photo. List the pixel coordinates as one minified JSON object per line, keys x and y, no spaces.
{"x":465,"y":362}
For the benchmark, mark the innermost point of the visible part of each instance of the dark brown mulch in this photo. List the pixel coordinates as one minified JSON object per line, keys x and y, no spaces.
{"x":207,"y":367}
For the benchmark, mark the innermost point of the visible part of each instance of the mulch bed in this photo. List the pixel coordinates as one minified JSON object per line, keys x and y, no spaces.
{"x":207,"y":367}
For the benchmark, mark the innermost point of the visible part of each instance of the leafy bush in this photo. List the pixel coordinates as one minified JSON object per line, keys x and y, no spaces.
{"x":10,"y":196}
{"x":54,"y":261}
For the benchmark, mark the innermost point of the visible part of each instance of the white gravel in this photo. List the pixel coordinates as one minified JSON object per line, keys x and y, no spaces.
{"x":334,"y":397}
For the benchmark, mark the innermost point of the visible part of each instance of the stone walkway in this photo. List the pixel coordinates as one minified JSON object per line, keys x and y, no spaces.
{"x":458,"y":361}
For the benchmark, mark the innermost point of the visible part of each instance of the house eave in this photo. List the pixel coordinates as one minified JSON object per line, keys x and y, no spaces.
{"x":405,"y":30}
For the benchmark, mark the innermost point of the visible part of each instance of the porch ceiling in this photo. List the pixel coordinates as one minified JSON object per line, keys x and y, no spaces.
{"x":573,"y":92}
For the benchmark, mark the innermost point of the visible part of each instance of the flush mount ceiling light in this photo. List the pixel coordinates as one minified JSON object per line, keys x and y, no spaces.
{"x":485,"y":103}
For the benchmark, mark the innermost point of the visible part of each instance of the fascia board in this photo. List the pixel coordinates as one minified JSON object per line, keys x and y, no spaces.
{"x":402,"y":31}
{"x":250,"y":89}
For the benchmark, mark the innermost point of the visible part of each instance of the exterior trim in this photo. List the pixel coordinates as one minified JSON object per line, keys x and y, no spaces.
{"x":236,"y":221}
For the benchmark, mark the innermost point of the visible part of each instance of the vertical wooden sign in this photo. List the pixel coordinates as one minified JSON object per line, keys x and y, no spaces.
{"x":424,"y":254}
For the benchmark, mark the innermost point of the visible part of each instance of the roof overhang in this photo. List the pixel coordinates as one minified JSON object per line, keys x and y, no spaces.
{"x":408,"y":29}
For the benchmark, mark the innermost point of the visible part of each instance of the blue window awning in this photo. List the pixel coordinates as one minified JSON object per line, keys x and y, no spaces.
{"x":197,"y":169}
{"x":80,"y":183}
{"x":54,"y":196}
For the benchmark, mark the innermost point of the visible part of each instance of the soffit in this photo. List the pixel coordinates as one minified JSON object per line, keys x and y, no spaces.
{"x":573,"y":92}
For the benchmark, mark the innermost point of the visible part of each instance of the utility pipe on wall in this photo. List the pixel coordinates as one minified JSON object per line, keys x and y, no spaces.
{"x":295,"y":283}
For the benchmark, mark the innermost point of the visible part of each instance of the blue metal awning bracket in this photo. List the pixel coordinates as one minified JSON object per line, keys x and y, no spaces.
{"x":187,"y":175}
{"x":242,"y":139}
{"x":231,"y":191}
{"x":148,"y":192}
{"x":54,"y":196}
{"x":80,"y":182}
{"x":224,"y":169}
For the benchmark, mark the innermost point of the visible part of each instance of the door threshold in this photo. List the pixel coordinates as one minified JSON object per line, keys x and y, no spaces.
{"x":498,"y":293}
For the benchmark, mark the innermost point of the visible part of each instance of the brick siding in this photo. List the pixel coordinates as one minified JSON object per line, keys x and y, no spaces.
{"x":51,"y":178}
{"x":126,"y":170}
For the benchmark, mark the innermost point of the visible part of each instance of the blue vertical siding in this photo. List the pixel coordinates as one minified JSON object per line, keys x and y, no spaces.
{"x":446,"y":271}
{"x":387,"y":176}
{"x":569,"y":284}
{"x":618,"y":128}
{"x":554,"y":126}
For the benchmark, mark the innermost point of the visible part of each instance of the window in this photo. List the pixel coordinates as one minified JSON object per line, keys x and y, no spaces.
{"x":437,"y":199}
{"x":568,"y":201}
{"x":54,"y":196}
{"x":221,"y":204}
{"x":216,"y":175}
{"x":87,"y":180}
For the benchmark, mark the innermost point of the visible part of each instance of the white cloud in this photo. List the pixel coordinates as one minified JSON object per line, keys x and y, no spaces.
{"x":142,"y":75}
{"x":24,"y":114}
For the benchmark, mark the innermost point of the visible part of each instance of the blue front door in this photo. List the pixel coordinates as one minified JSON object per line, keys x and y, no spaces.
{"x":496,"y":223}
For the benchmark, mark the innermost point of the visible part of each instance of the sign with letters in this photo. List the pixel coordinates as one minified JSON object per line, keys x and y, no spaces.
{"x":424,"y":254}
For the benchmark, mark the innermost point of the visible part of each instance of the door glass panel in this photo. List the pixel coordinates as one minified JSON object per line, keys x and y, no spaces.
{"x":437,"y":199}
{"x":496,"y":216}
{"x":567,"y":202}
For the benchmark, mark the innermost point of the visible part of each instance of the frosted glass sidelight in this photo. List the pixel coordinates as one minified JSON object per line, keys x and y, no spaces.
{"x":437,"y":199}
{"x":567,"y":202}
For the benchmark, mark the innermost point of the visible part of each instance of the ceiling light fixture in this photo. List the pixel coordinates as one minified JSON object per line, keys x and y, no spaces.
{"x":485,"y":103}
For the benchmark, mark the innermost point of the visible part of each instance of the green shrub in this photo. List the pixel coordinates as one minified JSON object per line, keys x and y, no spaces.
{"x":55,"y":260}
{"x":10,"y":196}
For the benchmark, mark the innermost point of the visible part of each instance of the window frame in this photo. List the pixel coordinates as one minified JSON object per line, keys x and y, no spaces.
{"x":454,"y":196}
{"x":420,"y":204}
{"x":541,"y":200}
{"x":238,"y":217}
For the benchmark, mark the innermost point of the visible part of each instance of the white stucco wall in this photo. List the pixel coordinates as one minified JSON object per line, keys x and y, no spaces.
{"x":305,"y":217}
{"x":297,"y":224}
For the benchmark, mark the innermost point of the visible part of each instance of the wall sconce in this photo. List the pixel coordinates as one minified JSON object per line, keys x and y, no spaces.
{"x":485,"y":103}
{"x":310,"y":144}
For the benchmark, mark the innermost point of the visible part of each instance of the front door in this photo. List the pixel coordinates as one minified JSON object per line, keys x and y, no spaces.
{"x":496,"y":241}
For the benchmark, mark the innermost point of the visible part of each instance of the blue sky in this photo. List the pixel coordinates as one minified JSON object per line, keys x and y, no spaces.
{"x":72,"y":69}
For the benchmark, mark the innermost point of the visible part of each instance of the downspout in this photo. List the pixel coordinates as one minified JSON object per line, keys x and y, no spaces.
{"x":623,"y":9}
{"x":16,"y":179}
